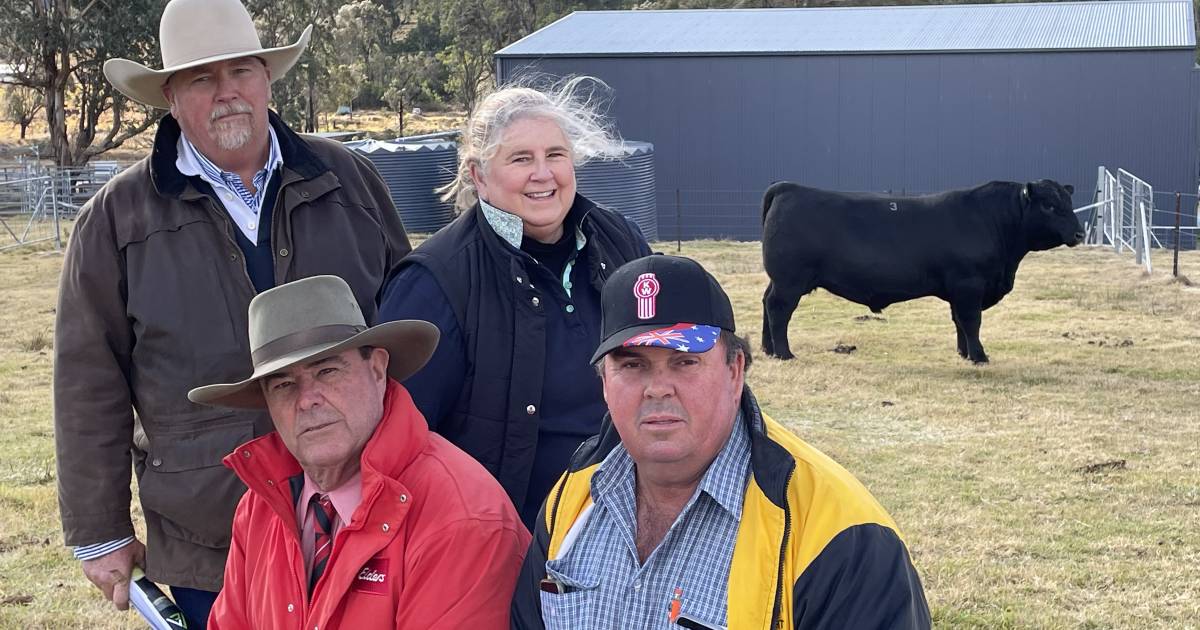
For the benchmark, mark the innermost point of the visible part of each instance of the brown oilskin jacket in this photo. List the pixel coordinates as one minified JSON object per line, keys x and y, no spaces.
{"x":152,"y":302}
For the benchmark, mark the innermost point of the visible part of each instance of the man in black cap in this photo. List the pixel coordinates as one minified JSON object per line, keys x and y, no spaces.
{"x":692,"y":507}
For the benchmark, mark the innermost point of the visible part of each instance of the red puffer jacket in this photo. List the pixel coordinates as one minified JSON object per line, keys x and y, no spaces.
{"x":435,"y":542}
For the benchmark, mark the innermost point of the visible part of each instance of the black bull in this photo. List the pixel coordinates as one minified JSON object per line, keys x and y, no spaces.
{"x":962,"y":246}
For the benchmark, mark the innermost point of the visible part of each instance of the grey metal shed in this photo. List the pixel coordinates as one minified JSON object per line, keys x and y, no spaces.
{"x":907,"y":99}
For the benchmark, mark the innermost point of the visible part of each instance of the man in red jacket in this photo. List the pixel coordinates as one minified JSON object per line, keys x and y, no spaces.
{"x":357,"y":516}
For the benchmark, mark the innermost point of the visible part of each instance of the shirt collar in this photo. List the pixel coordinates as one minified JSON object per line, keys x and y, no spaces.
{"x":510,"y":227}
{"x":345,"y":498}
{"x":617,"y":467}
{"x":724,"y":481}
{"x":190,"y":161}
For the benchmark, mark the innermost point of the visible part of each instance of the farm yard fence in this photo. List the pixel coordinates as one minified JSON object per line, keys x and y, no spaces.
{"x":1124,"y":212}
{"x":34,"y":199}
{"x":28,"y":210}
{"x":1121,"y":214}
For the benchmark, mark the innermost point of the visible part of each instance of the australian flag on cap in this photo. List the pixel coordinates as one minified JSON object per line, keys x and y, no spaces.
{"x":681,"y":337}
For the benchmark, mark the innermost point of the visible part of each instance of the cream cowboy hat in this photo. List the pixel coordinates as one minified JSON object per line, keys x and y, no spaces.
{"x":309,"y":320}
{"x":193,"y":33}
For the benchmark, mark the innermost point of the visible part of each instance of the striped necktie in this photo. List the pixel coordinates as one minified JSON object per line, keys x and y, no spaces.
{"x":323,"y":516}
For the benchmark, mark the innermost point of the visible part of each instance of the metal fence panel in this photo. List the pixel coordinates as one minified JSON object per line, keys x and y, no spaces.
{"x":34,"y":198}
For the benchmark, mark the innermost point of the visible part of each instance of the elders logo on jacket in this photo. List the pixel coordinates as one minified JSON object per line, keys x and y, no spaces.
{"x":373,"y":577}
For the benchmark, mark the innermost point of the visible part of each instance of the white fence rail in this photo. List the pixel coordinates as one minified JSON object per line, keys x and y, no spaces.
{"x":28,"y":212}
{"x":34,"y":199}
{"x":1122,"y":215}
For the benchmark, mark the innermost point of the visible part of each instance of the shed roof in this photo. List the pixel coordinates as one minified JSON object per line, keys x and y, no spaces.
{"x":1113,"y":24}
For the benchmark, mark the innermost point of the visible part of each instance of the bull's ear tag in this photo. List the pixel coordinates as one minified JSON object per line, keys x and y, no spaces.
{"x":644,"y":290}
{"x":1025,"y":193}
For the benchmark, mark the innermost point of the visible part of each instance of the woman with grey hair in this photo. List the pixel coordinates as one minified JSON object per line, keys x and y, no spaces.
{"x":514,"y":286}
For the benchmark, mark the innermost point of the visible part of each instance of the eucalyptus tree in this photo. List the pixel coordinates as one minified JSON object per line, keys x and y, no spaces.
{"x":58,"y":47}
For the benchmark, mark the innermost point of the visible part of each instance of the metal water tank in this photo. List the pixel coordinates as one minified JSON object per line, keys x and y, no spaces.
{"x":412,"y":171}
{"x":625,"y":185}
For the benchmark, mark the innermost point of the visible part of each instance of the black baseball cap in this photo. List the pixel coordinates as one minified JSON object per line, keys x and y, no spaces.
{"x":662,"y":301}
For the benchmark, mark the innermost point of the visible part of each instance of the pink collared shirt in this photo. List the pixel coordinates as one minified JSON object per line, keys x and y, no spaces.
{"x":345,"y":498}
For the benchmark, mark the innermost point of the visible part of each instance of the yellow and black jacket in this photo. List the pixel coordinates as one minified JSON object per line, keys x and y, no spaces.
{"x":814,"y":548}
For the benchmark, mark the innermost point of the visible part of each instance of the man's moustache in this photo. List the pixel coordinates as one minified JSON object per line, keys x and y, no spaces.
{"x":227,"y":110}
{"x":661,"y":410}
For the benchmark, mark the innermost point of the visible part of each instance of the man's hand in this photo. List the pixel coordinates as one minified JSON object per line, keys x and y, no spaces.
{"x":110,"y":572}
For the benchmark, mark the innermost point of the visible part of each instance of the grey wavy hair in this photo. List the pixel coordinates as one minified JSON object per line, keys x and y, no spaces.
{"x":573,"y":103}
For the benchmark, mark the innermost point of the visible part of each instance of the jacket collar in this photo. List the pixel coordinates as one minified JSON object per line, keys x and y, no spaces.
{"x":169,"y":182}
{"x":512,"y":258}
{"x":770,"y":463}
{"x":268,"y":468}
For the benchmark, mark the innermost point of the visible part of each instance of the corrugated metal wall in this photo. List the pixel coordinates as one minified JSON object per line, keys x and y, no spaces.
{"x":625,"y":185}
{"x":413,"y":171}
{"x":724,"y":128}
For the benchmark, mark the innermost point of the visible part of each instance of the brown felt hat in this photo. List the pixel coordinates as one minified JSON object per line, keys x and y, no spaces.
{"x":309,"y":320}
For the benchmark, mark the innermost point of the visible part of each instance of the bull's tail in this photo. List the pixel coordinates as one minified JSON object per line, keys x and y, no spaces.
{"x":769,"y":196}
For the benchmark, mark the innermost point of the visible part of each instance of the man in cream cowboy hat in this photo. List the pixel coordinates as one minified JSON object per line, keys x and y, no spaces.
{"x":160,"y":269}
{"x":357,"y":516}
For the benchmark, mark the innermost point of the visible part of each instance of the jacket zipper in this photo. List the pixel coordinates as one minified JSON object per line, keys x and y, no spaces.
{"x":269,"y":494}
{"x":554,"y":513}
{"x":787,"y":528}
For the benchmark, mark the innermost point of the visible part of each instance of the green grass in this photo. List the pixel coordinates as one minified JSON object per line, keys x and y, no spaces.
{"x":983,"y":467}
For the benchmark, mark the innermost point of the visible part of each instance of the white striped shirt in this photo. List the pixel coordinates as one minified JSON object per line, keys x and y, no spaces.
{"x":91,"y":552}
{"x":241,"y":204}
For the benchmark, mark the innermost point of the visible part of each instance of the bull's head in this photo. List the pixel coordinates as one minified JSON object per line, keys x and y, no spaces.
{"x":1050,"y":218}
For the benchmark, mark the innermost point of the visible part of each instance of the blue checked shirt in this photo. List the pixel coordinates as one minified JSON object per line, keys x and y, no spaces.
{"x":605,"y":587}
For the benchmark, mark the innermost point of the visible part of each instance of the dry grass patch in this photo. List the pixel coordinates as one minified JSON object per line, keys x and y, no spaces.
{"x":1000,"y":476}
{"x":37,"y":342}
{"x":986,"y":468}
{"x":40,"y":584}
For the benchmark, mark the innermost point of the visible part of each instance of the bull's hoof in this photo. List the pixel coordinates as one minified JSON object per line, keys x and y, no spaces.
{"x":980,"y":360}
{"x":785,"y":356}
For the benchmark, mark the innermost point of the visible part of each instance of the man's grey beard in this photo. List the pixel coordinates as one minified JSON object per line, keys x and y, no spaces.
{"x":231,"y":136}
{"x":233,"y":139}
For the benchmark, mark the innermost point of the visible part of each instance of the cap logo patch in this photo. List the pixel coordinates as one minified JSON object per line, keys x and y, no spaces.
{"x":644,"y":290}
